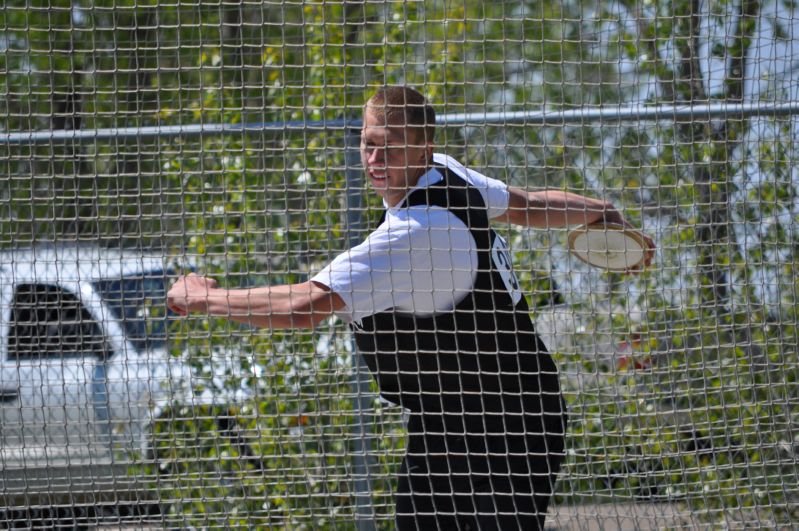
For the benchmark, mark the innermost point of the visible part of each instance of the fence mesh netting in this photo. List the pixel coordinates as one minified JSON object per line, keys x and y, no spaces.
{"x":141,"y":140}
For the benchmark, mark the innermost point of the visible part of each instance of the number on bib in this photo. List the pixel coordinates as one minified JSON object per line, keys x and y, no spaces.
{"x":502,"y":262}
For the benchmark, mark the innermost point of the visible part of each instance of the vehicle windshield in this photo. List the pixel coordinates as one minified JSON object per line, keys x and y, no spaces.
{"x":139,"y":302}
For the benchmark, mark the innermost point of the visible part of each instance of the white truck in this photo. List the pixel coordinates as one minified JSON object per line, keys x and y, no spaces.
{"x":84,"y":369}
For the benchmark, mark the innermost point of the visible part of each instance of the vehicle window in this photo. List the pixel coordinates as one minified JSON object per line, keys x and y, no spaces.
{"x":47,"y":321}
{"x":139,"y":301}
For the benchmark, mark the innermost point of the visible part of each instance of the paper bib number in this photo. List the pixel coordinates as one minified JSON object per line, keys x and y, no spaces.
{"x":501,"y":257}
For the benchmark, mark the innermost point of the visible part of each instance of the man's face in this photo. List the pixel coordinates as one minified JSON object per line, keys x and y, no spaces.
{"x":393,"y":157}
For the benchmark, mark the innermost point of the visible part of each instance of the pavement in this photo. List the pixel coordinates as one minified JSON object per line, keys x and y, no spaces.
{"x":620,"y":517}
{"x":645,"y":516}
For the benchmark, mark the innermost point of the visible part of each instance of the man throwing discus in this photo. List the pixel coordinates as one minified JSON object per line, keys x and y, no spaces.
{"x":438,"y":315}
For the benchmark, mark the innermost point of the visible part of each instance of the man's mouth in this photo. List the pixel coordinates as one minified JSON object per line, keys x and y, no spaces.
{"x":378,"y":175}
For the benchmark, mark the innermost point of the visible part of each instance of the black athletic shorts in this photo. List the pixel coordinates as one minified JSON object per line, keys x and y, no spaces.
{"x":499,"y":480}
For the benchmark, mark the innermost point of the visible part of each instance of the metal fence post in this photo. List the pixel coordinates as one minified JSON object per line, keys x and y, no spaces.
{"x":362,"y":461}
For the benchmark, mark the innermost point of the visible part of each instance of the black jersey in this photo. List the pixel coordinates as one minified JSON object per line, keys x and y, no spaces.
{"x":481,"y":358}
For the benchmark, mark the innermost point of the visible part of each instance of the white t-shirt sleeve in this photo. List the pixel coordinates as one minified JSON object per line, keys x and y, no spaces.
{"x":421,"y":260}
{"x":495,"y":193}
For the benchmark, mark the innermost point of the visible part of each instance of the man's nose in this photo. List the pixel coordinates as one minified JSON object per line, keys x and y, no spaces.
{"x":375,"y":156}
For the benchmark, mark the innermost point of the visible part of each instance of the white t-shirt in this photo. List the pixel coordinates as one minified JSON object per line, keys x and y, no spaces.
{"x":420,"y":260}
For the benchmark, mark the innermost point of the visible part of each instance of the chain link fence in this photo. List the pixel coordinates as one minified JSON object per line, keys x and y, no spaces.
{"x":141,"y":140}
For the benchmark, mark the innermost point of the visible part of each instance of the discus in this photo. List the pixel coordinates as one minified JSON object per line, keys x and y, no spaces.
{"x":609,"y":246}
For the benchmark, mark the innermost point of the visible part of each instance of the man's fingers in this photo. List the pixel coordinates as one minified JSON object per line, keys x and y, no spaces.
{"x":177,"y":293}
{"x":650,"y":252}
{"x":649,"y":255}
{"x":171,"y":303}
{"x":178,"y":310}
{"x":188,"y":291}
{"x":194,"y":279}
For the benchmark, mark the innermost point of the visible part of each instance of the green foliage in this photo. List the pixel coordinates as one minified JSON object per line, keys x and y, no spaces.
{"x":702,"y":410}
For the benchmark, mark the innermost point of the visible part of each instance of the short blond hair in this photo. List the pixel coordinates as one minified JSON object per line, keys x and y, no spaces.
{"x":400,"y":105}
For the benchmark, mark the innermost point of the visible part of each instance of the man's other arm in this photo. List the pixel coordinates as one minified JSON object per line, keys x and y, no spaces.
{"x":278,"y":307}
{"x":548,"y":209}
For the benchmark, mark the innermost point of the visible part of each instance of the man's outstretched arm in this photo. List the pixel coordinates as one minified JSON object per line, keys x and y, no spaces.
{"x":549,"y":209}
{"x":287,"y":306}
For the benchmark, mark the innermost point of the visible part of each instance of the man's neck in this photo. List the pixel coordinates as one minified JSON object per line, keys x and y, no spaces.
{"x":412,"y":183}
